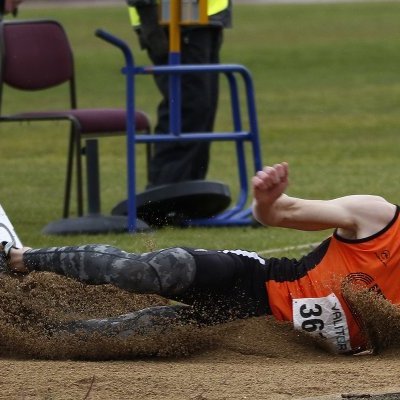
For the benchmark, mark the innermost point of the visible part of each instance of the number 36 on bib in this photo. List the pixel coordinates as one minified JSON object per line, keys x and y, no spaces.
{"x":323,"y":317}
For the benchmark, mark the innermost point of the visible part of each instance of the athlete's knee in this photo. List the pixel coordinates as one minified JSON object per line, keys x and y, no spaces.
{"x":175,"y":269}
{"x":167,"y":272}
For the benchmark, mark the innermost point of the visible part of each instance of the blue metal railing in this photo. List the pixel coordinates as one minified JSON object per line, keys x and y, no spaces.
{"x":238,"y":214}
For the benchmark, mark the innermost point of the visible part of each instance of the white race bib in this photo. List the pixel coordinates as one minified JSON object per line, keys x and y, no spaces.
{"x":323,"y":317}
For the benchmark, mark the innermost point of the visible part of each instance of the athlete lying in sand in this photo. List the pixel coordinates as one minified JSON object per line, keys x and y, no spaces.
{"x":220,"y":285}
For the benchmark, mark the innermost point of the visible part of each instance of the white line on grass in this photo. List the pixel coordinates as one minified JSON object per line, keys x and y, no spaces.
{"x":308,"y":246}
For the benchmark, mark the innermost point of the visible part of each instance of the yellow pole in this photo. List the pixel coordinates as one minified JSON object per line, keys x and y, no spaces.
{"x":174,"y":26}
{"x":203,"y":17}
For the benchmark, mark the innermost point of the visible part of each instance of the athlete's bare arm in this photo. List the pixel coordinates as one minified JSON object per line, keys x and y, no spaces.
{"x":355,"y":216}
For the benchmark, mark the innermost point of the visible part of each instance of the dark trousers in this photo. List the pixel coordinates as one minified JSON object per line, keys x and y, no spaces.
{"x":219,"y":285}
{"x":177,"y":162}
{"x":228,"y":285}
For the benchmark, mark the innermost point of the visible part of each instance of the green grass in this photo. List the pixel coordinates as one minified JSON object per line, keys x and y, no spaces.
{"x":327,"y":90}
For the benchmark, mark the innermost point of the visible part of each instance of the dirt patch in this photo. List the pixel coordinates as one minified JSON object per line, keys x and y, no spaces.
{"x":253,"y":359}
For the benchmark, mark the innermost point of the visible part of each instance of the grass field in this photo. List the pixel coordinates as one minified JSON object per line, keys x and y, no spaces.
{"x":327,"y":89}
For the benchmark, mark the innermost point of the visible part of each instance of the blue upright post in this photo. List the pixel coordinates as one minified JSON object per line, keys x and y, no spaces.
{"x":129,"y":72}
{"x":174,"y":59}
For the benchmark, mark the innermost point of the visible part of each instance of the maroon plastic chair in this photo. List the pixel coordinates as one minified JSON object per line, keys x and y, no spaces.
{"x":36,"y":55}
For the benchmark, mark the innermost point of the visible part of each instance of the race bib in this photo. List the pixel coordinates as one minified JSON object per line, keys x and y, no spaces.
{"x":323,"y":317}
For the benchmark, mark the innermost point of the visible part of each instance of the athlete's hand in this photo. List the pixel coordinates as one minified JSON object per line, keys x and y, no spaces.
{"x":16,"y":261}
{"x":270,"y":183}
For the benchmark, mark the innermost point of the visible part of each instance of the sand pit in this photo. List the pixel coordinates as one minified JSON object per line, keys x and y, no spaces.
{"x":252,"y":359}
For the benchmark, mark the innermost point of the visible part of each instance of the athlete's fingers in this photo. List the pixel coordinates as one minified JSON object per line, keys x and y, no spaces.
{"x":272,"y":174}
{"x":282,"y":171}
{"x":258,"y":182}
{"x":266,"y":177}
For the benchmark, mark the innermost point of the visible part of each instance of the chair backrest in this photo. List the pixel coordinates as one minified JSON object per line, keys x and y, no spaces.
{"x":35,"y":55}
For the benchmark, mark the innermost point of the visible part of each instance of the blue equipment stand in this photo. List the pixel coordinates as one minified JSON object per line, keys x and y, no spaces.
{"x":240,"y":213}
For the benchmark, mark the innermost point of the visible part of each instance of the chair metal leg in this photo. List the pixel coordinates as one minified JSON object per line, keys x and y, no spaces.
{"x":93,"y":177}
{"x":68,"y":178}
{"x":149,"y":155}
{"x":79,"y":179}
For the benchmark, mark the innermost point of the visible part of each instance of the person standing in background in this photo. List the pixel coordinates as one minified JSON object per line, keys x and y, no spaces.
{"x":201,"y":44}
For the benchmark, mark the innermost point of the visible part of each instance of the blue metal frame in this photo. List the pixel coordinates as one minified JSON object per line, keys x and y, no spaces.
{"x":238,"y":214}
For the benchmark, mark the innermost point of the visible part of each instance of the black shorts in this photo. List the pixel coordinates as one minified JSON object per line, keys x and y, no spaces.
{"x":232,"y":283}
{"x":229,"y":284}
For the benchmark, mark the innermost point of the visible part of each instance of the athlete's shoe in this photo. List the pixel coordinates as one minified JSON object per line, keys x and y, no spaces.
{"x":7,"y":231}
{"x":151,"y":320}
{"x":5,"y":248}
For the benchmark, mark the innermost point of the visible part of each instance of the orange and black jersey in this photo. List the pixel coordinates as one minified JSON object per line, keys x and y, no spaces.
{"x":309,"y":291}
